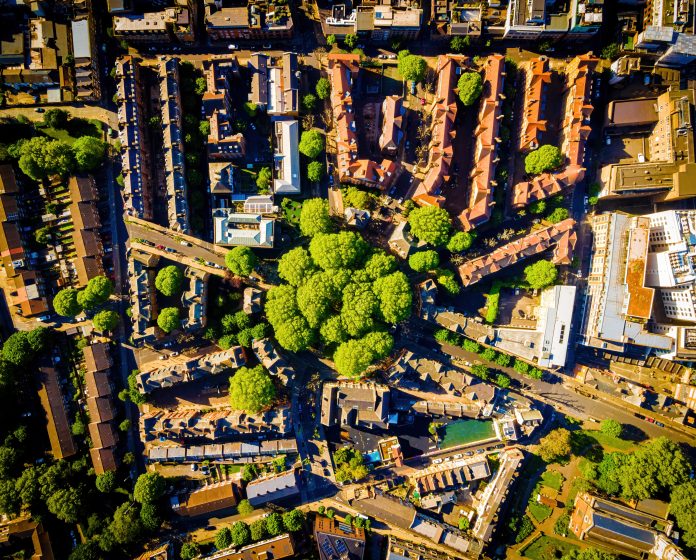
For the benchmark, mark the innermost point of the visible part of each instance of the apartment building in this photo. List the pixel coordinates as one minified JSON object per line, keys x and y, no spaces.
{"x":560,"y":238}
{"x":351,"y":168}
{"x":53,"y":403}
{"x":661,"y":163}
{"x":338,"y":540}
{"x":195,"y":299}
{"x":173,"y":146}
{"x":86,"y":57}
{"x":355,"y":404}
{"x":375,"y":21}
{"x":25,"y":290}
{"x":275,"y":83}
{"x":277,"y":548}
{"x":141,"y":285}
{"x":100,"y":391}
{"x":258,"y":20}
{"x":450,"y":475}
{"x":577,"y":20}
{"x":231,"y":228}
{"x":667,"y":32}
{"x":482,"y":176}
{"x":618,"y":304}
{"x":575,"y":129}
{"x":273,"y":488}
{"x":286,"y":158}
{"x":393,"y":113}
{"x":176,"y":23}
{"x":537,"y":79}
{"x":272,"y":360}
{"x":86,"y":223}
{"x":135,"y":151}
{"x":208,"y":499}
{"x":456,"y":17}
{"x":237,"y":451}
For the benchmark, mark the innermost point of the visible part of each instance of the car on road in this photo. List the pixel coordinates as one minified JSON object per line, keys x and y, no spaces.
{"x":437,"y":461}
{"x":170,"y":250}
{"x":479,"y":451}
{"x":458,"y":456}
{"x":267,"y":46}
{"x":194,"y":467}
{"x":392,"y":57}
{"x":233,"y":47}
{"x":659,"y":424}
{"x":651,"y":420}
{"x":40,"y":110}
{"x":160,"y":247}
{"x":163,"y":357}
{"x":185,"y":243}
{"x":174,"y":354}
{"x":382,"y":56}
{"x":469,"y":453}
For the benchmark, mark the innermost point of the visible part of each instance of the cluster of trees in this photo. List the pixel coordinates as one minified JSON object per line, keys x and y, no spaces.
{"x":237,"y":328}
{"x":545,"y":158}
{"x":40,"y":157}
{"x":70,"y":302}
{"x":242,"y":534}
{"x":411,"y":67}
{"x":470,"y":87}
{"x":350,"y":465}
{"x":264,"y":178}
{"x":251,"y":389}
{"x":131,"y":393}
{"x":354,"y":197}
{"x":20,"y":348}
{"x":340,"y":292}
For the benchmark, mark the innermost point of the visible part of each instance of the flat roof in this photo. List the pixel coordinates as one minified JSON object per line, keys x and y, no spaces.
{"x":632,"y":112}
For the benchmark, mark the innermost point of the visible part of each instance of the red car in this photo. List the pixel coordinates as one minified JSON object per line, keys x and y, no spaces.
{"x":160,"y":247}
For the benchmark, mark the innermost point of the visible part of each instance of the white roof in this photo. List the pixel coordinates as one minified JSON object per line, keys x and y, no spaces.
{"x":287,"y":158}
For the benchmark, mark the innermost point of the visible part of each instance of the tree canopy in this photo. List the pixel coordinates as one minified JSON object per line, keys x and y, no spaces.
{"x":105,"y":321}
{"x":422,"y":261}
{"x":169,"y":280}
{"x":314,"y":217}
{"x":251,"y":389}
{"x":264,"y":178}
{"x":89,"y":152}
{"x":611,"y":427}
{"x":555,"y":446}
{"x":311,"y":143}
{"x":411,"y":67}
{"x":323,"y":88}
{"x":460,"y":241}
{"x":241,"y":261}
{"x":354,"y":197}
{"x":149,"y":487}
{"x":558,"y":215}
{"x":682,"y":508}
{"x":97,"y":292}
{"x":545,"y":158}
{"x":65,"y":303}
{"x":169,"y":319}
{"x":295,"y":266}
{"x":315,"y":171}
{"x":541,"y":274}
{"x":470,"y":86}
{"x":431,"y":224}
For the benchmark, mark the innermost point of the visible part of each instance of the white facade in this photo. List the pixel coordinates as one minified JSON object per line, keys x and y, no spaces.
{"x":287,"y":158}
{"x":555,"y":317}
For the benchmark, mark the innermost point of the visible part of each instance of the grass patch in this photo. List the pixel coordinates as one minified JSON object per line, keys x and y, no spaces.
{"x":539,"y":512}
{"x":609,"y":442}
{"x":291,"y":211}
{"x":76,"y":128}
{"x":552,"y":479}
{"x":547,"y":547}
{"x":493,"y":302}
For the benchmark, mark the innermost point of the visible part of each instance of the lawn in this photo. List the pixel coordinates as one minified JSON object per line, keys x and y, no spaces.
{"x":610,"y":442}
{"x":76,"y":128}
{"x":552,"y":479}
{"x":547,"y":547}
{"x":539,"y":512}
{"x":291,"y":211}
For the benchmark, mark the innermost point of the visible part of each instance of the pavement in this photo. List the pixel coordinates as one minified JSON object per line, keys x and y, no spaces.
{"x":76,"y":110}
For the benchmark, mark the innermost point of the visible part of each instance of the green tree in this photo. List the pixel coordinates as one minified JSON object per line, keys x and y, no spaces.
{"x":611,"y":51}
{"x":314,"y":217}
{"x":331,"y":40}
{"x":545,"y":158}
{"x":149,"y":487}
{"x":43,"y":235}
{"x":460,"y":241}
{"x":481,"y":371}
{"x":412,"y":67}
{"x":503,"y":360}
{"x":333,"y":331}
{"x":244,"y":507}
{"x":296,"y":266}
{"x":352,"y":358}
{"x":351,"y":40}
{"x":395,"y":297}
{"x":611,"y":428}
{"x":379,"y":265}
{"x":85,"y":551}
{"x":241,"y":261}
{"x":125,"y":425}
{"x":463,"y":523}
{"x":189,"y":551}
{"x":502,"y":381}
{"x":204,"y":129}
{"x":201,"y":86}
{"x":250,"y":108}
{"x":56,"y":118}
{"x":105,"y":321}
{"x":354,"y":197}
{"x":431,"y":224}
{"x":323,"y":88}
{"x":65,"y":303}
{"x":422,"y":261}
{"x":264,"y":179}
{"x":240,"y":533}
{"x":249,"y":472}
{"x":537,"y":207}
{"x":315,"y":171}
{"x":446,"y":279}
{"x":558,"y":215}
{"x":541,"y":274}
{"x":97,"y":292}
{"x":89,"y":152}
{"x":150,"y":517}
{"x":345,"y":249}
{"x":169,"y":280}
{"x":106,"y":482}
{"x":274,"y":523}
{"x":682,"y":508}
{"x":470,"y":86}
{"x":259,"y":530}
{"x":295,"y":334}
{"x":588,"y":554}
{"x":459,"y":43}
{"x":471,"y":346}
{"x":309,"y":102}
{"x":555,"y":446}
{"x":294,"y":520}
{"x":251,"y":389}
{"x":65,"y":504}
{"x":223,"y":538}
{"x":169,"y":319}
{"x":17,"y":350}
{"x":311,"y":143}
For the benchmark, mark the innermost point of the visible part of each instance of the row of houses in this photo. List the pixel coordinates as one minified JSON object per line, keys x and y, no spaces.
{"x":25,"y":288}
{"x":560,"y":237}
{"x":54,"y":403}
{"x":135,"y":151}
{"x":100,"y":405}
{"x":221,"y":423}
{"x":351,"y":168}
{"x":576,"y":110}
{"x":173,"y":146}
{"x":89,"y":249}
{"x":236,"y":451}
{"x":141,"y":287}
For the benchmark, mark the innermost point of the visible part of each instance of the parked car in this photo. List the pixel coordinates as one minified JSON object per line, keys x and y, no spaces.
{"x":40,"y":110}
{"x":437,"y":461}
{"x":233,"y":47}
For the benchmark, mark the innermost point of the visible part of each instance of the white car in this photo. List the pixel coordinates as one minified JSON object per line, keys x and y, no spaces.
{"x":437,"y":461}
{"x":458,"y":456}
{"x":233,"y":47}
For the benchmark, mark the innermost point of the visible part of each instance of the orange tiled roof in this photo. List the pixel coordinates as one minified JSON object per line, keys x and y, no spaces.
{"x":537,"y":76}
{"x":560,"y":236}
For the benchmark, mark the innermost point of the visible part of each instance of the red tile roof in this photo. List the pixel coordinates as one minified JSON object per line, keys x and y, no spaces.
{"x":537,"y":77}
{"x":561,"y":237}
